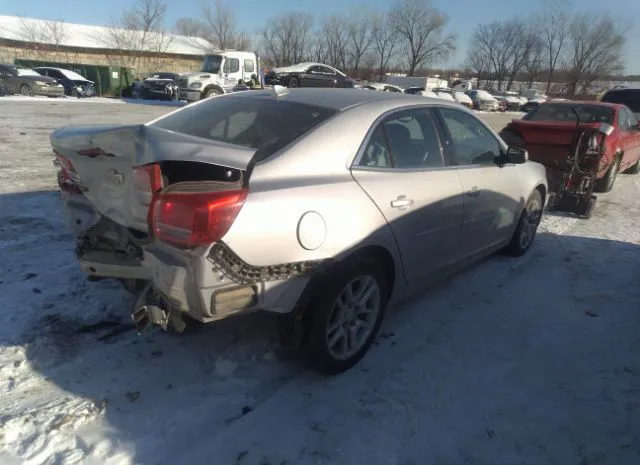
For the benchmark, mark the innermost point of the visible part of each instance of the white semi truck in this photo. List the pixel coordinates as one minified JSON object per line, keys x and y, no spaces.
{"x":219,"y":73}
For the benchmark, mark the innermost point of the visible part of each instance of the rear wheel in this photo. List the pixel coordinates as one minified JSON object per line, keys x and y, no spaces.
{"x":606,"y":183}
{"x":527,"y":226}
{"x":25,"y":89}
{"x":345,"y":315}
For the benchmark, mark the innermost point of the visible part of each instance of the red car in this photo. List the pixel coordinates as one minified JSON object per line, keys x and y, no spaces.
{"x":548,"y":131}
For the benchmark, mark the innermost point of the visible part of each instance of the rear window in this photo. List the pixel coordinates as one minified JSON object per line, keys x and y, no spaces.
{"x":564,"y":113}
{"x":630,"y":98}
{"x":264,"y":124}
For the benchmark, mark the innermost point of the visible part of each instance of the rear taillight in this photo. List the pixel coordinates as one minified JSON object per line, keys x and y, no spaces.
{"x":147,"y":181}
{"x":66,"y":174}
{"x":193,"y":220}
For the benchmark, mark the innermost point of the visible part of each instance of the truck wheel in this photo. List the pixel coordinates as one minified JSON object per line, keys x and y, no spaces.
{"x":633,"y":169}
{"x":213,"y":92}
{"x":345,"y":315}
{"x":606,"y":183}
{"x":26,"y":90}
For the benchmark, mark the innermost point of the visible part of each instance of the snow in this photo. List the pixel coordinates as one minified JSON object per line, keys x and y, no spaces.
{"x":103,"y":100}
{"x":461,"y":97}
{"x":96,"y":37}
{"x":530,"y":360}
{"x":72,"y":75}
{"x":445,"y":96}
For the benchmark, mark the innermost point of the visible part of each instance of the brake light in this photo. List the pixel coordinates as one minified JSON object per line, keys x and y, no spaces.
{"x":147,"y":181}
{"x":193,"y":220}
{"x":66,"y":171}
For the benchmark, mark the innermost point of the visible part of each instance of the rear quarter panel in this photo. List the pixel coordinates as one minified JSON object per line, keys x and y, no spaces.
{"x":313,"y":175}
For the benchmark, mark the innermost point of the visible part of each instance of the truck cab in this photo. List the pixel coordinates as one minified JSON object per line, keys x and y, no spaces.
{"x":219,"y":73}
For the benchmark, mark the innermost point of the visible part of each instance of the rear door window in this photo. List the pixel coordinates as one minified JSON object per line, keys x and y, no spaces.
{"x":264,"y":124}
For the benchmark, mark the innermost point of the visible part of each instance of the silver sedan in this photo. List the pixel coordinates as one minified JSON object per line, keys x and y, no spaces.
{"x":325,"y":206}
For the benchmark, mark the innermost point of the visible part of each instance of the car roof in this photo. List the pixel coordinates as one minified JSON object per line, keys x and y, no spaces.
{"x":596,"y":103}
{"x":342,"y":99}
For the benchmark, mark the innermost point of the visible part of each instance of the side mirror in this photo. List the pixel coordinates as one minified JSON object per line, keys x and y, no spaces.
{"x":517,"y":155}
{"x":606,"y":129}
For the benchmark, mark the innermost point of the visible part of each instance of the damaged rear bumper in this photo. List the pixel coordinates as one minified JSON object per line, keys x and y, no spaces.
{"x":216,"y":284}
{"x":104,"y":248}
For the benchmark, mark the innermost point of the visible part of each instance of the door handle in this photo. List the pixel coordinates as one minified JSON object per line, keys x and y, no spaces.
{"x":474,"y":192}
{"x":402,"y":202}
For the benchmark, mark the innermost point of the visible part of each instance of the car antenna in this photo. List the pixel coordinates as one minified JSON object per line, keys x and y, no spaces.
{"x":280,"y":90}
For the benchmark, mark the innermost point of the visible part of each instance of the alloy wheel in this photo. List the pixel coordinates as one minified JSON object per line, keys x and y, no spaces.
{"x":353,"y":317}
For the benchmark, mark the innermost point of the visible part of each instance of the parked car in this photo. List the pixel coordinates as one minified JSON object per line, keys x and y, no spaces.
{"x":25,"y":81}
{"x":483,"y":100}
{"x":3,"y":89}
{"x":384,"y":87}
{"x":548,"y":132}
{"x":531,"y":105}
{"x":74,"y":84}
{"x":625,"y":96}
{"x":308,"y":75}
{"x":414,"y":90}
{"x":462,"y":99}
{"x":305,"y":202}
{"x":503,"y":103}
{"x":160,"y":86}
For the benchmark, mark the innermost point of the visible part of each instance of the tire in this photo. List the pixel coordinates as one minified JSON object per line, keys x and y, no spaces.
{"x":591,"y":205}
{"x":606,"y":183}
{"x":213,"y":92}
{"x":326,"y":321}
{"x":293,"y":82}
{"x":26,"y":90}
{"x":633,"y":169}
{"x":527,"y":227}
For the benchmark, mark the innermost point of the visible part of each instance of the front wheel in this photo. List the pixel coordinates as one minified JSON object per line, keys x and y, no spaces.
{"x":633,"y":169}
{"x":606,"y":183}
{"x":527,"y":226}
{"x":213,"y":92}
{"x":26,"y":90}
{"x":345,"y":315}
{"x":294,"y":82}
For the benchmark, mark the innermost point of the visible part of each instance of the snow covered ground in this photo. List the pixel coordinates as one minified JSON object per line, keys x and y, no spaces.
{"x":534,"y":360}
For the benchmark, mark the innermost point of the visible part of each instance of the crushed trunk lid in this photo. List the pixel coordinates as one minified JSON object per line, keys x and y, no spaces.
{"x":103,"y":158}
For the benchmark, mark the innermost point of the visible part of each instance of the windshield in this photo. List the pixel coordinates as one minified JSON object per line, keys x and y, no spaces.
{"x":630,"y":98}
{"x":72,"y":75}
{"x":562,"y":112}
{"x":26,"y":72}
{"x":260,"y":123}
{"x":211,"y":64}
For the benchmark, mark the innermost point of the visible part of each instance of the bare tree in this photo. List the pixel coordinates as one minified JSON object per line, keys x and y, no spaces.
{"x":221,"y":21}
{"x":422,"y":29}
{"x":385,"y":39}
{"x":32,"y":30}
{"x":56,"y":32}
{"x":595,"y":47}
{"x":535,"y":62}
{"x":553,"y":24}
{"x":360,"y":37}
{"x":479,"y":62}
{"x":136,"y":31}
{"x":334,"y":30}
{"x":288,"y":39}
{"x":190,"y":27}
